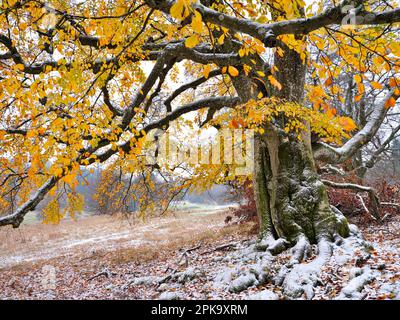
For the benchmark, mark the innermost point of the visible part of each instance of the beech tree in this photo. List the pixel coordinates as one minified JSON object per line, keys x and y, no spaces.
{"x":74,"y":92}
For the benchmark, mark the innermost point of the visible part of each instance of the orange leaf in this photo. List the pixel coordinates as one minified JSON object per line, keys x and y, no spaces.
{"x":347,"y":123}
{"x":358,"y":97}
{"x":393,"y":82}
{"x":376,"y":85}
{"x":390,"y":103}
{"x":234,"y":123}
{"x":275,"y":82}
{"x":328,"y":82}
{"x":206,"y":70}
{"x":233,"y":71}
{"x":331,"y":112}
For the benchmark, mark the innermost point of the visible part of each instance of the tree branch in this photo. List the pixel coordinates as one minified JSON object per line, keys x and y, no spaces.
{"x":267,"y":33}
{"x":373,"y":197}
{"x":361,"y":138}
{"x":18,"y":215}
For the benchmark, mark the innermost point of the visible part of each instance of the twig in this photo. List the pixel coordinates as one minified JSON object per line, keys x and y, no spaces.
{"x":92,"y":256}
{"x":186,"y":254}
{"x":364,"y":206}
{"x":105,"y":273}
{"x":167,"y":278}
{"x":391,"y":204}
{"x":222,"y":247}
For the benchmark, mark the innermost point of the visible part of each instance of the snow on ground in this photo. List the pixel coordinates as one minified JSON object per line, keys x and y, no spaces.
{"x":35,"y":241}
{"x":106,"y":259}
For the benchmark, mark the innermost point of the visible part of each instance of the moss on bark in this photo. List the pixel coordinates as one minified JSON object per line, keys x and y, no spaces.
{"x":291,"y":199}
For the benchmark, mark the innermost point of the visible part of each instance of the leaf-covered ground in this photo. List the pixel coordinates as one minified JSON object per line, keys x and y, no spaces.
{"x":173,"y":257}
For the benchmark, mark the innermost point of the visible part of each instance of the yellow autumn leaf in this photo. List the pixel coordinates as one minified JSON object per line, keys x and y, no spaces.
{"x":361,"y":88}
{"x":192,"y":41}
{"x":246,"y":69}
{"x":177,"y":10}
{"x":221,"y":39}
{"x":376,"y":85}
{"x":357,"y":78}
{"x":206,"y":70}
{"x":19,"y":67}
{"x":197,"y":23}
{"x":233,"y":71}
{"x":275,"y":82}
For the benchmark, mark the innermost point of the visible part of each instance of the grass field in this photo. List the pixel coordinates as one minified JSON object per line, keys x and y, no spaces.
{"x":34,"y":240}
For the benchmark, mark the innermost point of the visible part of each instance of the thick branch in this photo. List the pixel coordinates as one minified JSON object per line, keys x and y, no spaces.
{"x":267,"y":32}
{"x":18,"y":215}
{"x":191,"y":85}
{"x":338,"y":155}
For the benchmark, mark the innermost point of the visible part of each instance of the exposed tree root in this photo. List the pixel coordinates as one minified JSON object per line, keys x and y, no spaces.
{"x":353,"y":289}
{"x":298,"y":277}
{"x":269,"y":263}
{"x":269,"y":243}
{"x":303,"y":278}
{"x":300,"y":251}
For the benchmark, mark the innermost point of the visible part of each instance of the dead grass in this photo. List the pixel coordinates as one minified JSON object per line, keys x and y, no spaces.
{"x":121,"y":240}
{"x":185,"y":240}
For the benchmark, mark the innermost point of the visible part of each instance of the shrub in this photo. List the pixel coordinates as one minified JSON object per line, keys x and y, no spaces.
{"x":244,"y":194}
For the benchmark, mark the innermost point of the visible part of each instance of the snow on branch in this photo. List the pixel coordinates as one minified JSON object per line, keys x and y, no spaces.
{"x":18,"y":215}
{"x":334,"y":155}
{"x":267,"y":33}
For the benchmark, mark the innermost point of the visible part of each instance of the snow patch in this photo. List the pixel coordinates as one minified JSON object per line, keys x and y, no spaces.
{"x":264,"y":295}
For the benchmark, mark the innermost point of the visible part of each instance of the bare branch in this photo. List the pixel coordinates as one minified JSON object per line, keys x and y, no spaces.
{"x":373,"y":197}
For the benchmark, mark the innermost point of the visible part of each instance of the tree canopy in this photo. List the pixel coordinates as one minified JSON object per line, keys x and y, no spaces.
{"x":85,"y":82}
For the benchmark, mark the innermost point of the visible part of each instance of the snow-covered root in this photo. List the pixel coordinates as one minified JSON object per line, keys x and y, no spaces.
{"x":249,"y":267}
{"x":303,"y":278}
{"x":253,"y":267}
{"x":300,"y":251}
{"x":298,"y":277}
{"x":274,"y":246}
{"x":360,"y":278}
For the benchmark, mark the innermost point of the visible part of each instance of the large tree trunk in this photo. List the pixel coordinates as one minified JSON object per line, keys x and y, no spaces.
{"x":291,"y":199}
